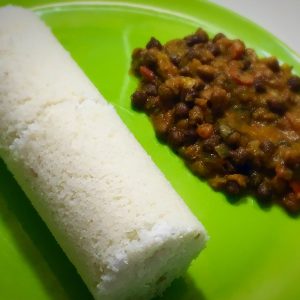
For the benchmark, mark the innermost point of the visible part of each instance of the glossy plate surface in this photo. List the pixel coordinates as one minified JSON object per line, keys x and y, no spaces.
{"x":253,"y":253}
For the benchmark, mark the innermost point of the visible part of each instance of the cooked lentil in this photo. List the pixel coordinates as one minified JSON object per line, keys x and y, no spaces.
{"x":233,"y":117}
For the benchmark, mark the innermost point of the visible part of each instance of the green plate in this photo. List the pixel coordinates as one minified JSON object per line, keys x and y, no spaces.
{"x":253,"y":253}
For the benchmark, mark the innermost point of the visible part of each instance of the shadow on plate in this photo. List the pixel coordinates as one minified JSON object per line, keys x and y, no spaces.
{"x":182,"y":289}
{"x":265,"y":206}
{"x":15,"y":205}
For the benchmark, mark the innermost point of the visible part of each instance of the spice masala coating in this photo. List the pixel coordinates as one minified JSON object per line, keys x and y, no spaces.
{"x":233,"y":117}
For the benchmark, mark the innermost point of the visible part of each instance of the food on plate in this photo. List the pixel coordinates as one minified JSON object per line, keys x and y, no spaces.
{"x":233,"y":117}
{"x":109,"y":207}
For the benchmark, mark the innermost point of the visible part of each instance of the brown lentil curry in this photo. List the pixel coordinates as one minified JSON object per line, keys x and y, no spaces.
{"x":233,"y":117}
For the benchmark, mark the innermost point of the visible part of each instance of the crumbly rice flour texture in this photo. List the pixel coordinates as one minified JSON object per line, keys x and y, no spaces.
{"x":109,"y":207}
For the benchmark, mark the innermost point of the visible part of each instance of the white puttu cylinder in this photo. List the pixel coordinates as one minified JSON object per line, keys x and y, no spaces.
{"x":109,"y":207}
